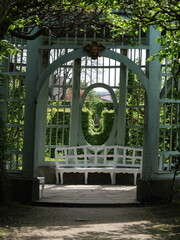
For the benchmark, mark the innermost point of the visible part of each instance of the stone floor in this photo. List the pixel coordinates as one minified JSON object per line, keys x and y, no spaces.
{"x":89,"y":194}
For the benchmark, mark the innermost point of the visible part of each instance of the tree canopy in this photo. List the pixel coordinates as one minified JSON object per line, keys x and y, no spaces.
{"x":21,"y":17}
{"x":164,"y":15}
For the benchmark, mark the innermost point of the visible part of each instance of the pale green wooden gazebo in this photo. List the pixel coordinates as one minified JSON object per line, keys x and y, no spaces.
{"x":38,"y":81}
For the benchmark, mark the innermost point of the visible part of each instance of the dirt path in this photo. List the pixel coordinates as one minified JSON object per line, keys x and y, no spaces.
{"x":132,"y":223}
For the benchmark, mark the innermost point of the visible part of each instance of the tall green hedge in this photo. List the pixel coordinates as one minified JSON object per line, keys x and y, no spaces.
{"x":97,"y":107}
{"x":54,"y":134}
{"x":93,"y":136}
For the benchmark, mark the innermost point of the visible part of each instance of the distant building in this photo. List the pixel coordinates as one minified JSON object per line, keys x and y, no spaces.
{"x":105,"y":96}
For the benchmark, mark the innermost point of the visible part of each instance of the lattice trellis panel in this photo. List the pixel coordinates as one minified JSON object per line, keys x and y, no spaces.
{"x":169,"y":133}
{"x":58,"y":108}
{"x":14,"y":90}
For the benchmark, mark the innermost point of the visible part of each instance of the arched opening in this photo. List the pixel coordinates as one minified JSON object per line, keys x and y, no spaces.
{"x":103,"y":104}
{"x":68,"y":87}
{"x":98,"y":108}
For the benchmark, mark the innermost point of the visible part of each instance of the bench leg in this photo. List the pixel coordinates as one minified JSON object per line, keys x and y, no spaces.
{"x":41,"y":186}
{"x":135,"y":178}
{"x":57,"y":178}
{"x":61,"y":176}
{"x":86,"y":177}
{"x":112,"y":177}
{"x":42,"y":189}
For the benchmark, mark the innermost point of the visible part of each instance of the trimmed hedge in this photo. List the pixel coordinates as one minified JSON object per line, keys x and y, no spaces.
{"x":92,"y":134}
{"x":55,"y":134}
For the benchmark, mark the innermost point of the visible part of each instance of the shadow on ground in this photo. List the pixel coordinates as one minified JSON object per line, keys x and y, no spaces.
{"x":41,"y":223}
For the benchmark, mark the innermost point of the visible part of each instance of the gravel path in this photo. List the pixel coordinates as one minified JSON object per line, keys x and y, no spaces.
{"x":132,"y":223}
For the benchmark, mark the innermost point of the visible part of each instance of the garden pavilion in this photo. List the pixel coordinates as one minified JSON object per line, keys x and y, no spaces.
{"x":146,"y":108}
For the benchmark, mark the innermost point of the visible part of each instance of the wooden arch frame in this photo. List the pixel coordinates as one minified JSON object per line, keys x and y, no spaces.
{"x":82,"y":53}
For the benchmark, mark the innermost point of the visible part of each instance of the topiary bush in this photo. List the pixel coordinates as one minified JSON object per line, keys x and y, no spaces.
{"x":92,"y":136}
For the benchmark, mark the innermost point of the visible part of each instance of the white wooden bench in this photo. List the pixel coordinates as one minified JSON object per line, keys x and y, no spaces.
{"x":101,"y":159}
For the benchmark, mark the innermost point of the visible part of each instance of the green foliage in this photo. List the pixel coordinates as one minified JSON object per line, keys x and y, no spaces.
{"x":22,"y":13}
{"x":42,"y":16}
{"x":60,"y":136}
{"x":15,"y":116}
{"x":169,"y":116}
{"x":5,"y":48}
{"x":92,"y":97}
{"x":127,"y":16}
{"x":92,"y":135}
{"x":98,"y":106}
{"x":94,"y":123}
{"x":57,"y":136}
{"x":134,"y":111}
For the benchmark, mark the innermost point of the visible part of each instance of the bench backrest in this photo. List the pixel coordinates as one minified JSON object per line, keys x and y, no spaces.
{"x":99,"y":156}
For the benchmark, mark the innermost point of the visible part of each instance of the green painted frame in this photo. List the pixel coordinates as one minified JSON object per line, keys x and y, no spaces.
{"x":82,"y":53}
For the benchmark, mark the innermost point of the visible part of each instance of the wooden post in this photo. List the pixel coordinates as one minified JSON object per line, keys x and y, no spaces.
{"x":121,"y":127}
{"x":152,"y":108}
{"x":41,"y":115}
{"x":30,"y":106}
{"x":74,"y":122}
